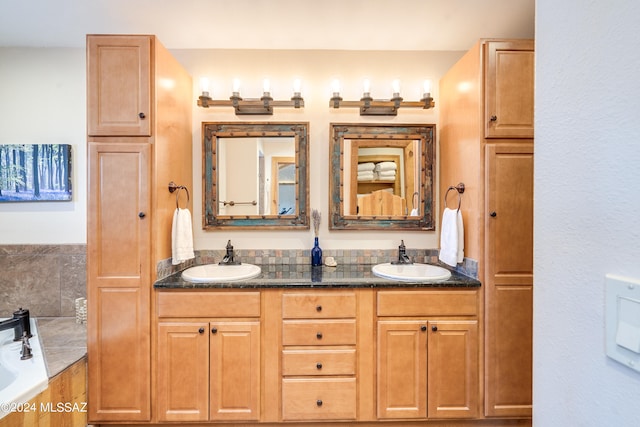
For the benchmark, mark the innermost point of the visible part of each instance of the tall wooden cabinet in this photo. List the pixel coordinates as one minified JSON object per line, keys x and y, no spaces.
{"x":139,"y":107}
{"x":486,"y":141}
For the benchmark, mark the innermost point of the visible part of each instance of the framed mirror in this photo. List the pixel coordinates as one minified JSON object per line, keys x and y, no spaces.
{"x":255,"y":175}
{"x":381,"y":176}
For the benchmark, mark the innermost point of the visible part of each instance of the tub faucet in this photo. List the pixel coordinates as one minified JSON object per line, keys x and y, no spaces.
{"x":26,"y":347}
{"x":229,"y":257}
{"x":20,"y":324}
{"x":403,"y":258}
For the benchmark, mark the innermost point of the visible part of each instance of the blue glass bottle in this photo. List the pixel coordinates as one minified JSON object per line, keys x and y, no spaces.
{"x":316,"y":254}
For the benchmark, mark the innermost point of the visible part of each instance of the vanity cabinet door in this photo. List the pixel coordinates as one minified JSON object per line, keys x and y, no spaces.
{"x":235,"y":370}
{"x":509,"y":82}
{"x":119,"y":85}
{"x":452,"y":388}
{"x":183,"y":371}
{"x":402,"y":369}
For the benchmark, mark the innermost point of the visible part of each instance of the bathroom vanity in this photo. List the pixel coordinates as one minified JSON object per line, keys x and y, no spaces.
{"x":316,"y":344}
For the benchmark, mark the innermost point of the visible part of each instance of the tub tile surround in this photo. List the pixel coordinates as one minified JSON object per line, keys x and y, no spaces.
{"x":45,"y":279}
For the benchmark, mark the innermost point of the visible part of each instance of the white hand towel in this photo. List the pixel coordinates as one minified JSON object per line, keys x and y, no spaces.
{"x":451,"y":237}
{"x":390,"y":175}
{"x":181,"y":237}
{"x":366,"y":176}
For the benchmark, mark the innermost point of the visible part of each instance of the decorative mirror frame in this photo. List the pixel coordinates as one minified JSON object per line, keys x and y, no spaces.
{"x":212,"y":131}
{"x":339,"y":132}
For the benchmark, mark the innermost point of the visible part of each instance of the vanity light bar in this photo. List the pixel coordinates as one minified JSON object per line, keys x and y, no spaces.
{"x":382,"y":107}
{"x":249,"y":106}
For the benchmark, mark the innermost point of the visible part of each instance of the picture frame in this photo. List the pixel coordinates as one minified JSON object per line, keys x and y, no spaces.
{"x":35,"y":172}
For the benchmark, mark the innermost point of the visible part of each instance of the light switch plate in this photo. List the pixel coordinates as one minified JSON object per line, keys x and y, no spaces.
{"x":622,"y":314}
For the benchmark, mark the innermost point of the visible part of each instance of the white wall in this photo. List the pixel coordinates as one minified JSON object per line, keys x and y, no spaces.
{"x":587,"y":205}
{"x":43,"y":101}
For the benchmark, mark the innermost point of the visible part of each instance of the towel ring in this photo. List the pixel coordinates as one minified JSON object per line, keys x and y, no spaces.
{"x":460,"y":189}
{"x":173,"y":187}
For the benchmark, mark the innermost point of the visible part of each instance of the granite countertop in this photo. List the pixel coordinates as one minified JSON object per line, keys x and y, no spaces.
{"x":63,"y":341}
{"x":305,"y":276}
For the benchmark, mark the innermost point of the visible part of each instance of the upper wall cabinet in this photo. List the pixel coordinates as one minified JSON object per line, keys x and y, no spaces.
{"x":509,"y":80}
{"x":119,"y":85}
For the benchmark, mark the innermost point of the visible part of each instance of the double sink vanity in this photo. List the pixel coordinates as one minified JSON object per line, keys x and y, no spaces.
{"x":302,"y":343}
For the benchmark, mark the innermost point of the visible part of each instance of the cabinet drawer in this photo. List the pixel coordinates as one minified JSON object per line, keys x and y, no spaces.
{"x":427,"y":303}
{"x":318,"y":362}
{"x":208,"y":304}
{"x":318,"y":399}
{"x":319,"y":332}
{"x":318,"y":305}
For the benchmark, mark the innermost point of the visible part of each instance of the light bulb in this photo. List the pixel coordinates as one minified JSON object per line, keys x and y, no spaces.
{"x":396,"y":87}
{"x":297,"y":86}
{"x":427,"y":89}
{"x":236,"y":85}
{"x":204,"y":86}
{"x":336,"y":86}
{"x":366,"y":86}
{"x":266,"y":86}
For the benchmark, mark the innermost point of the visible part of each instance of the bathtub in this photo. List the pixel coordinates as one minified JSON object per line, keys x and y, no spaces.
{"x":20,"y":380}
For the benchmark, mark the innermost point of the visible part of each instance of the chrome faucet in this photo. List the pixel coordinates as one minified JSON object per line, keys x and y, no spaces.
{"x":403,"y":258}
{"x":229,"y":257}
{"x":20,"y":324}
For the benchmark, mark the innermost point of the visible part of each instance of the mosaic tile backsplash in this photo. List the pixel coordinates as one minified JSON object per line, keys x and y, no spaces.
{"x":299,"y":256}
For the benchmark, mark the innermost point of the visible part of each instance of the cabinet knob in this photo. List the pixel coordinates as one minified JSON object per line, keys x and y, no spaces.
{"x":318,"y":365}
{"x":318,"y":308}
{"x":319,"y":402}
{"x":214,"y":330}
{"x":141,"y":115}
{"x":493,"y":214}
{"x":319,"y":335}
{"x":434,"y":328}
{"x":201,"y":330}
{"x":494,"y":118}
{"x":423,"y":328}
{"x":141,"y":214}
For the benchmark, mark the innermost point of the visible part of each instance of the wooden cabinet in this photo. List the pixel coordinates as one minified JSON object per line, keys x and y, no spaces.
{"x":509,"y":81}
{"x":494,"y":159}
{"x":427,"y":367}
{"x":130,"y":159}
{"x":118,"y":241}
{"x":319,"y":336}
{"x":119,"y":85}
{"x":509,"y":278}
{"x":208,"y":369}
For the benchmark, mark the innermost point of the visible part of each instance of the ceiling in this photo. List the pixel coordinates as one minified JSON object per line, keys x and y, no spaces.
{"x":270,"y":24}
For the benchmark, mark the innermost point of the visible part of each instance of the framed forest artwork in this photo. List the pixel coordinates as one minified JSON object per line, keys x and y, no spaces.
{"x":35,"y":172}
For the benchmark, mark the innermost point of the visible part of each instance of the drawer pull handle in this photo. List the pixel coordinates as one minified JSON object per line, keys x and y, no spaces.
{"x":141,"y":115}
{"x":434,"y":328}
{"x":201,"y":331}
{"x":318,"y":308}
{"x":318,"y":365}
{"x":214,"y":330}
{"x":319,"y":335}
{"x":423,"y":328}
{"x":141,"y":214}
{"x":319,"y":402}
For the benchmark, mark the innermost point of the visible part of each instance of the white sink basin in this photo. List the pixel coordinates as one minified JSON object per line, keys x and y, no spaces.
{"x":220,"y":273}
{"x":411,"y":272}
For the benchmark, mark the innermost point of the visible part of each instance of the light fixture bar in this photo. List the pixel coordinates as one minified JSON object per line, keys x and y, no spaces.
{"x":250,"y":106}
{"x":381,"y":107}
